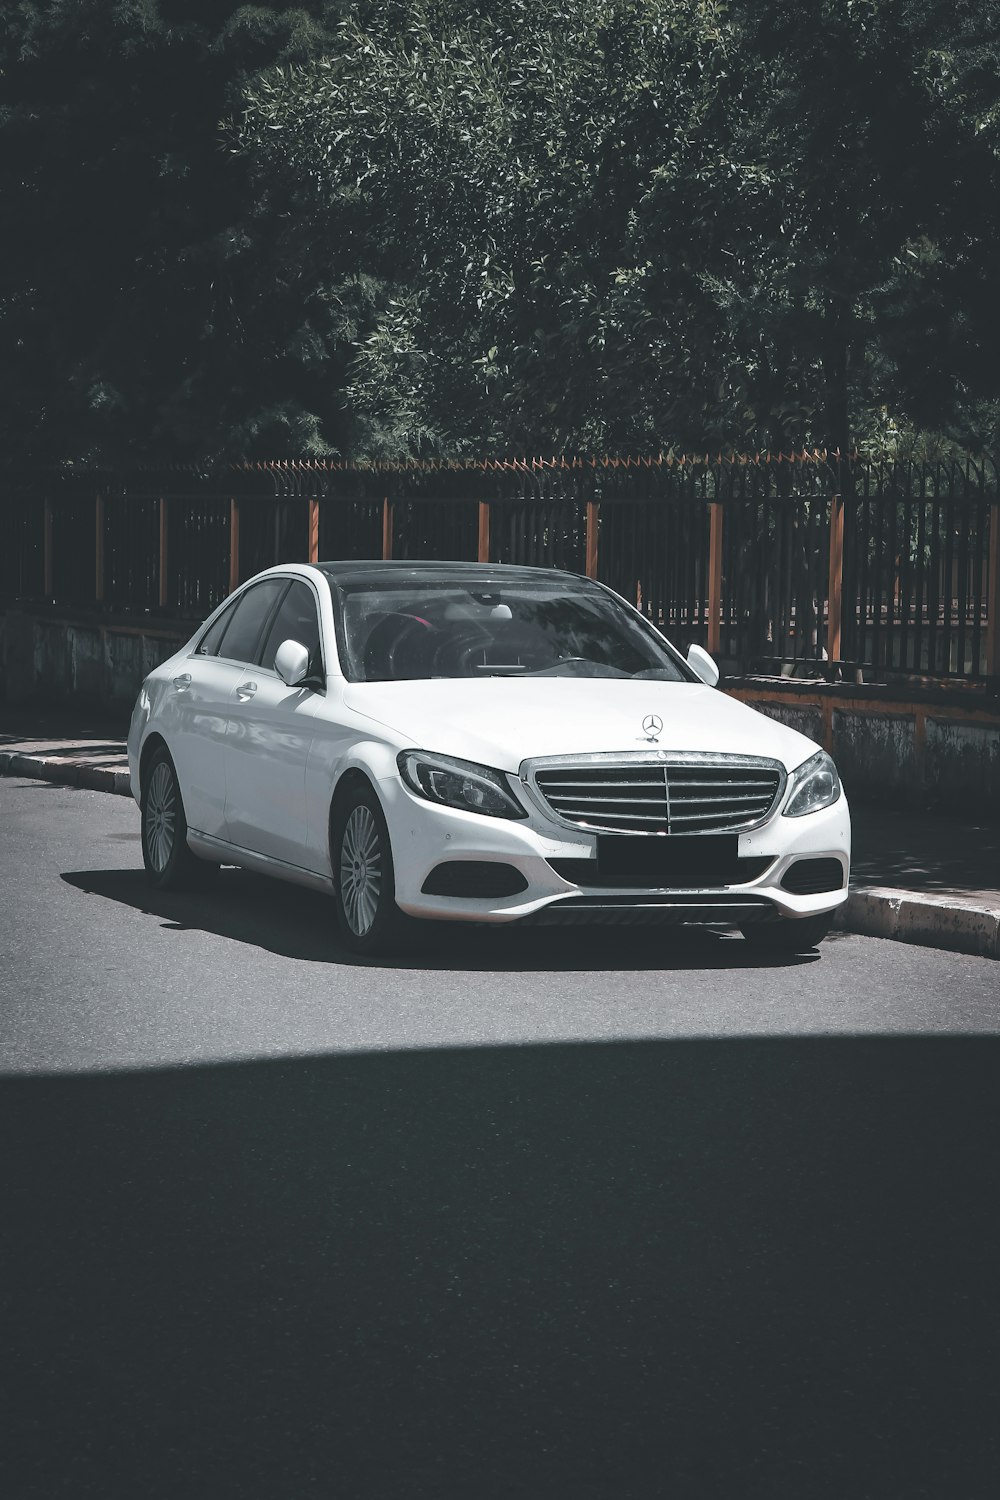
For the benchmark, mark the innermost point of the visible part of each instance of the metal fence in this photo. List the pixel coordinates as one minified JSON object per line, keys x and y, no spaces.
{"x":918,"y":547}
{"x":841,"y":567}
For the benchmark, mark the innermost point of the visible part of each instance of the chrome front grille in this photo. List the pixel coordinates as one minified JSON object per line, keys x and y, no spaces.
{"x":659,"y":794}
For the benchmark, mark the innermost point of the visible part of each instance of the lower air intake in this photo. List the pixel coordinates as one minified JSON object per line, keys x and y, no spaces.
{"x":812,"y":877}
{"x":476,"y":879}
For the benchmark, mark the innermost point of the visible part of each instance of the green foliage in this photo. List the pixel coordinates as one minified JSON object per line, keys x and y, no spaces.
{"x":667,"y":223}
{"x":490,"y":171}
{"x":378,"y":228}
{"x":881,"y":199}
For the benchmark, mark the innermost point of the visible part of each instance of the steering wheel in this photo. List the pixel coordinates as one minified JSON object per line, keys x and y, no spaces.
{"x":414,"y":627}
{"x":386,"y":639}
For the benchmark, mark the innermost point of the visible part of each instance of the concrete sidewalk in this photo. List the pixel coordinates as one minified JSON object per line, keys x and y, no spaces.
{"x":77,"y":749}
{"x":916,"y":877}
{"x":927,"y":878}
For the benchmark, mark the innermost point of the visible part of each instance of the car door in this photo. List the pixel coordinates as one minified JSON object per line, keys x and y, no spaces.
{"x":271,"y":728}
{"x":193,"y":717}
{"x":196,"y":716}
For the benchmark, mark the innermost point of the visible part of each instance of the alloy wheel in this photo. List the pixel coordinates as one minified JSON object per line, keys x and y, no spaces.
{"x":360,"y":870}
{"x":161,"y":817}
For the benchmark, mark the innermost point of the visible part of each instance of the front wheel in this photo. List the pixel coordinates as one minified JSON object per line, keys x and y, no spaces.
{"x":790,"y":934}
{"x":364,"y":879}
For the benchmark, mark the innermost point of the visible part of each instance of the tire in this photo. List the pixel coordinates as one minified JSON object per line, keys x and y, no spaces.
{"x":790,"y":934}
{"x":369,"y":920}
{"x":170,"y":865}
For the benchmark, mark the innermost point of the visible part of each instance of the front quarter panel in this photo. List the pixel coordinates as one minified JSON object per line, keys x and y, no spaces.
{"x":342,"y":742}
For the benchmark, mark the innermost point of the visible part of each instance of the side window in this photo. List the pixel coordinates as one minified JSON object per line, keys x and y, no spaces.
{"x":239,"y":643}
{"x":296,"y":620}
{"x":209,"y":643}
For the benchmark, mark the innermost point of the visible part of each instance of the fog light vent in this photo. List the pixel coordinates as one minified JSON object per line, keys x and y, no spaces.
{"x":475,"y":878}
{"x":811,"y":877}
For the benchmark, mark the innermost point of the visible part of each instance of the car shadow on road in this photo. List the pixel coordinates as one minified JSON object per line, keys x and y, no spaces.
{"x":298,"y":923}
{"x":699,"y":1268}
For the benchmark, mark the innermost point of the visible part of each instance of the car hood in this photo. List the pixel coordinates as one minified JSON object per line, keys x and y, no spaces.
{"x":503,"y":721}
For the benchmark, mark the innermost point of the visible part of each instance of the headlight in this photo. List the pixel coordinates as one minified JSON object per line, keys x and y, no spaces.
{"x":458,"y":783}
{"x":814,"y":785}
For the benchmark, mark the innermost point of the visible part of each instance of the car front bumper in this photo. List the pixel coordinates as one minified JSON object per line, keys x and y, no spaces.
{"x":425,"y":835}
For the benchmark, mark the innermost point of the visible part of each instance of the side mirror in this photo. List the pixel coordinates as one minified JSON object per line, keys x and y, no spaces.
{"x":699,"y":661}
{"x":291,"y":662}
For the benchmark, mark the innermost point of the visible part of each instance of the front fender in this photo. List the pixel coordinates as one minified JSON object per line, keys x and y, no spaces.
{"x":331,"y":758}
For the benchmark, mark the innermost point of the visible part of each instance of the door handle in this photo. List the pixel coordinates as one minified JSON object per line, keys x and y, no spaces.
{"x":183,"y":681}
{"x":245,"y":691}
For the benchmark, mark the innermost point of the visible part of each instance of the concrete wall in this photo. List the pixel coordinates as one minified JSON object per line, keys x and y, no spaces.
{"x":907,"y":749}
{"x":936,"y":748}
{"x":89,"y":661}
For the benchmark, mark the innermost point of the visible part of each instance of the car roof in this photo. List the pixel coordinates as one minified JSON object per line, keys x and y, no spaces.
{"x":373,"y":573}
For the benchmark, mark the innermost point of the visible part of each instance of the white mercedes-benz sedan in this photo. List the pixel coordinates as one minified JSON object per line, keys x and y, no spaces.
{"x":479,"y":743}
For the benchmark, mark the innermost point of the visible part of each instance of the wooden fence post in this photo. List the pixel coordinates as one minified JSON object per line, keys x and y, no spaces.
{"x":234,"y":544}
{"x":593,"y":524}
{"x":386,"y":529}
{"x":99,"y":548}
{"x":992,"y":665}
{"x":835,"y":591}
{"x":313,"y":529}
{"x":164,"y":559}
{"x":47,"y":548}
{"x":484,"y":531}
{"x":714,"y":577}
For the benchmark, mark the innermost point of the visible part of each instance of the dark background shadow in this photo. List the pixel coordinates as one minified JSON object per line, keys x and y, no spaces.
{"x":300,"y":924}
{"x":698,"y":1268}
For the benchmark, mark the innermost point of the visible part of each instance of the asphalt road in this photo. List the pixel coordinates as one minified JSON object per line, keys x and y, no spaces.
{"x":537,"y":1214}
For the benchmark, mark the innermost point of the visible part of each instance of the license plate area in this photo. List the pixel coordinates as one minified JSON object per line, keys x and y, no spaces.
{"x":683,"y":861}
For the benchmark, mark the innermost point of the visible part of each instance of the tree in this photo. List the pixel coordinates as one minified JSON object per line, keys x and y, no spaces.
{"x":845,"y":272}
{"x":655,"y":224}
{"x":373,"y":228}
{"x":149,"y":307}
{"x":488,"y":174}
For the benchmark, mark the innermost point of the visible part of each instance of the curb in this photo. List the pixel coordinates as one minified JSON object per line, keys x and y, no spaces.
{"x":963,"y":926}
{"x":89,"y":778}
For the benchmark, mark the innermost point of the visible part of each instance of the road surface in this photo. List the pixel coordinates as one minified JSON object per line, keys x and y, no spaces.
{"x":525,"y":1214}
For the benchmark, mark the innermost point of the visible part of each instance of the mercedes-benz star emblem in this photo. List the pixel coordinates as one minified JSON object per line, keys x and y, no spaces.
{"x":652,"y":725}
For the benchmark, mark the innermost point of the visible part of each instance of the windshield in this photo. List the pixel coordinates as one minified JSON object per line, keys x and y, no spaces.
{"x":392,"y":633}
